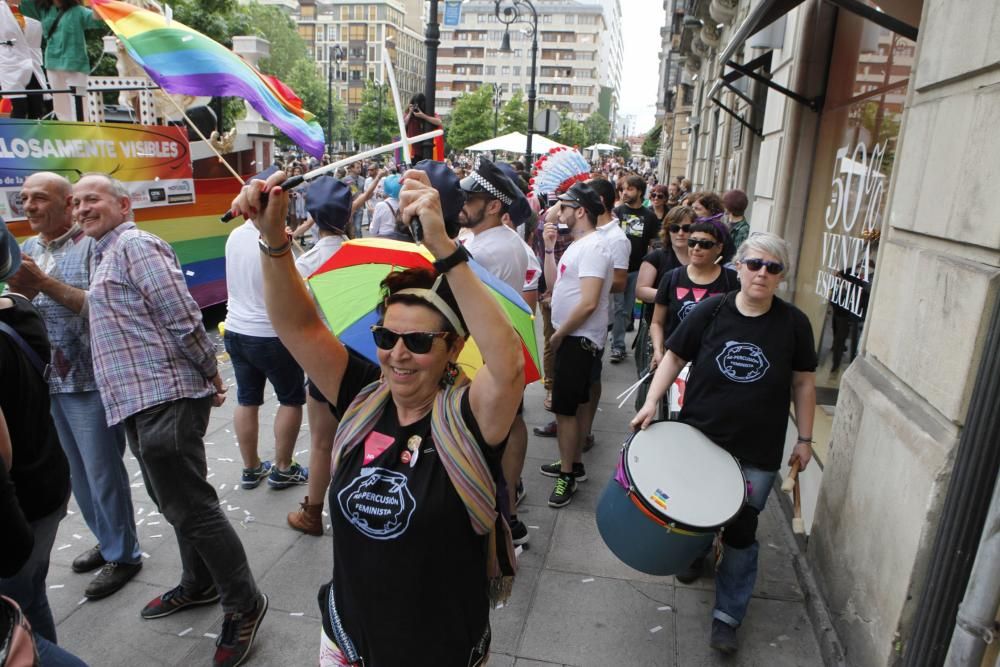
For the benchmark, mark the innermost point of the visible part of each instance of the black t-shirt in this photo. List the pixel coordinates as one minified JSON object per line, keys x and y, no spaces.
{"x":739,"y":389}
{"x":664,"y":260}
{"x":641,"y":227}
{"x":40,"y":472}
{"x":680,"y":294}
{"x":409,"y":571}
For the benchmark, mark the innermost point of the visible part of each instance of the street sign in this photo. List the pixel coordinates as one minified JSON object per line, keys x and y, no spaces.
{"x":546,"y":122}
{"x":452,"y":12}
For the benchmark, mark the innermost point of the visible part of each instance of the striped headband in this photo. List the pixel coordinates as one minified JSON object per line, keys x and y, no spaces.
{"x":492,"y":189}
{"x":431,"y":296}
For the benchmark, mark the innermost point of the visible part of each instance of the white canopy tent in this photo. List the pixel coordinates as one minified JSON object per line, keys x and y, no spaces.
{"x":603,"y":148}
{"x":516,"y":142}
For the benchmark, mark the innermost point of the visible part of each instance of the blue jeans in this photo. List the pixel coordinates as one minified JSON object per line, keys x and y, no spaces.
{"x":624,"y":303}
{"x":100,"y":482}
{"x":27,"y":587}
{"x":55,"y":656}
{"x":737,"y":573}
{"x":167,"y":440}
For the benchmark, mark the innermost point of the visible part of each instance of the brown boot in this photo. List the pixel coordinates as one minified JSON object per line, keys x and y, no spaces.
{"x":309,"y":518}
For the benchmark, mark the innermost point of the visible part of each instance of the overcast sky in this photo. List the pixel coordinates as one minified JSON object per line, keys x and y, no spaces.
{"x":641,"y":23}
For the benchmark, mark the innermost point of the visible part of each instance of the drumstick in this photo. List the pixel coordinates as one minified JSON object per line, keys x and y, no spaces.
{"x":631,"y":390}
{"x":798,"y":525}
{"x":792,"y":477}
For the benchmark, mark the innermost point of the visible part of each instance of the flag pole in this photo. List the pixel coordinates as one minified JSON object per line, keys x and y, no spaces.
{"x":203,"y":138}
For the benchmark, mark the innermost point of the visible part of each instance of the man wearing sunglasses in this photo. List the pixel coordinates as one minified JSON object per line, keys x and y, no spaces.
{"x":489,"y":194}
{"x":641,"y":227}
{"x":581,"y":284}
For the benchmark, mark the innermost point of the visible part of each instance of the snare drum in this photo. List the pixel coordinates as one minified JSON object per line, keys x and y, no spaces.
{"x":674,"y":488}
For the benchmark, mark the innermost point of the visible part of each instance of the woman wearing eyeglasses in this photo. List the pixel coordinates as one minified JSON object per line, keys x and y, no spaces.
{"x":658,"y":204}
{"x":419,"y":547}
{"x":751,"y":350}
{"x":683,"y":288}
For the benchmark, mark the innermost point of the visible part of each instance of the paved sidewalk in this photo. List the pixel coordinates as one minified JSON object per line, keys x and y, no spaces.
{"x":574,"y":603}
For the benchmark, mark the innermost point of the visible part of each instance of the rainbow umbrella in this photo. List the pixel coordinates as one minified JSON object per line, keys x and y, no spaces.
{"x":347,"y":290}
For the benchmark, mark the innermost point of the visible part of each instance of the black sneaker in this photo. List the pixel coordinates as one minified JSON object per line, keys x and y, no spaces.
{"x":693,"y":571}
{"x":547,"y":431}
{"x":238,"y":632}
{"x":518,"y":532}
{"x":110,"y":579}
{"x":555,"y":469}
{"x":723,"y":637}
{"x":617,"y":356}
{"x":176,"y":599}
{"x":563,"y":492}
{"x":519,"y":492}
{"x":89,"y":560}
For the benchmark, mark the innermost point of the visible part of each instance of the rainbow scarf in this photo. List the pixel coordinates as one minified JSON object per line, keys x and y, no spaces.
{"x":184,"y":61}
{"x":463,"y":461}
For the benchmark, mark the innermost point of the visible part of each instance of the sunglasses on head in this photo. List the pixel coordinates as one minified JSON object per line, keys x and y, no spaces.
{"x":705,"y":244}
{"x":756,"y":264}
{"x":417,"y":342}
{"x":674,"y":228}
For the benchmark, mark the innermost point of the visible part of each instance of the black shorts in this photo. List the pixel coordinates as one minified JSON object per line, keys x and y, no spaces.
{"x":575,"y":364}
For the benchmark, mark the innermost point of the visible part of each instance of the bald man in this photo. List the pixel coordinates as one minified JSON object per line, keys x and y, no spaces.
{"x":55,"y":275}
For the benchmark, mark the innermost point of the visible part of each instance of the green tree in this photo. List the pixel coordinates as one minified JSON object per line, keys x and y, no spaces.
{"x":366,"y":128}
{"x":514,"y":115}
{"x":571,"y":132}
{"x":598,"y":128}
{"x":471,"y":119}
{"x":624,"y":151}
{"x":651,"y":143}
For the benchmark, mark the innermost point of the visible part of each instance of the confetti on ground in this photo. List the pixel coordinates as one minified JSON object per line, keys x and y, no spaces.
{"x":231,"y":508}
{"x":296,"y":613}
{"x":301,"y":451}
{"x":664,"y":608}
{"x":587,"y":580}
{"x":783,"y":638}
{"x":517,"y":550}
{"x":154,"y":513}
{"x":210,"y":476}
{"x":55,"y":586}
{"x":325,"y":514}
{"x":222,"y":487}
{"x":534,"y":527}
{"x":139,"y":522}
{"x":153,"y":523}
{"x":228,"y":431}
{"x":140,"y":511}
{"x":227,"y":460}
{"x":137,"y":473}
{"x":152,"y":536}
{"x":184,"y":632}
{"x":209,"y":443}
{"x":70,"y":512}
{"x":76,"y":537}
{"x":773,"y":645}
{"x":65,"y":546}
{"x":211,"y":635}
{"x":137,"y":485}
{"x":82,"y":600}
{"x":656,"y":629}
{"x":247,"y":512}
{"x":145,"y":555}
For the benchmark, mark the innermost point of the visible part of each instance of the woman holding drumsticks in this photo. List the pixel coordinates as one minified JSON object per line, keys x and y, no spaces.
{"x":419,"y":548}
{"x":751,"y":352}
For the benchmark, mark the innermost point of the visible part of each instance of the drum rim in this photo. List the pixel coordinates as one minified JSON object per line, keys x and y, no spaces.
{"x":665,"y":520}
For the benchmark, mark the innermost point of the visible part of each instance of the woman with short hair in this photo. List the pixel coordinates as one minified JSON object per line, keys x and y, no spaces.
{"x":751,"y":351}
{"x":420,"y":548}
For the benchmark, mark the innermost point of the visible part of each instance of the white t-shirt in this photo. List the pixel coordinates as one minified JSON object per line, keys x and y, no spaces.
{"x":384,"y":218}
{"x":617,"y":243}
{"x":534,"y":270}
{"x":325,"y":248}
{"x":499,"y":250}
{"x":588,"y":257}
{"x":246,"y":312}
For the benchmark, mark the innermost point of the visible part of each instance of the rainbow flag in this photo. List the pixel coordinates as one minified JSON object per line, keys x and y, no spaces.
{"x":184,"y":61}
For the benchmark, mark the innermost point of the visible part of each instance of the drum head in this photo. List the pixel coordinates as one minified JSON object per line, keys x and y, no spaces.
{"x":683,"y":476}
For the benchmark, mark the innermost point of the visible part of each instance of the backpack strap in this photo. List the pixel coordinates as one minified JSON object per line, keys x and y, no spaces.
{"x":36,"y":361}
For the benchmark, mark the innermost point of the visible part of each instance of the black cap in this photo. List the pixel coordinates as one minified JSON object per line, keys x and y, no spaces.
{"x":585,"y":196}
{"x":489,"y":179}
{"x":328,"y":201}
{"x":444,"y":180}
{"x":520,"y":210}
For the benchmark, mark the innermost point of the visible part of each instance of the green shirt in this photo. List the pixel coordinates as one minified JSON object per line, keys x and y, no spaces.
{"x":66,"y":48}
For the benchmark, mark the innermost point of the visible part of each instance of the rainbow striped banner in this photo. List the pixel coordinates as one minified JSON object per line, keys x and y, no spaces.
{"x":184,"y":61}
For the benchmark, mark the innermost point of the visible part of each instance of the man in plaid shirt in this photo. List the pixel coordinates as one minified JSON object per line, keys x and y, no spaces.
{"x":156,"y":371}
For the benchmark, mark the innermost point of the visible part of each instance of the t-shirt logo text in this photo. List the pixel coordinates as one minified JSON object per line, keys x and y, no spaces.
{"x":742,"y":362}
{"x":378,"y":503}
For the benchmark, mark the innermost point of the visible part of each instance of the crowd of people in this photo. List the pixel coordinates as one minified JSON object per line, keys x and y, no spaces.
{"x":407,"y":452}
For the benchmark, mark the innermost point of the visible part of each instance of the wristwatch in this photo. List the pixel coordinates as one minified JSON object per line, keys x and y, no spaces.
{"x":454,"y":259}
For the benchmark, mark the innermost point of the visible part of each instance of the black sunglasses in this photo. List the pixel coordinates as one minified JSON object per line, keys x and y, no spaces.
{"x":755,"y":265}
{"x":656,"y":196}
{"x":705,"y":244}
{"x":674,"y":228}
{"x":417,"y":342}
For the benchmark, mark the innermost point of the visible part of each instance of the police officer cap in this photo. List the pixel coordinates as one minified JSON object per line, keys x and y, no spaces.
{"x":489,"y":179}
{"x":328,"y":201}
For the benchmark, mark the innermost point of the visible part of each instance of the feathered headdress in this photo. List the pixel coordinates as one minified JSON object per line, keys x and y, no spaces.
{"x":557,"y":170}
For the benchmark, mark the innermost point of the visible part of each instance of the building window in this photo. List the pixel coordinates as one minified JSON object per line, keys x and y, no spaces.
{"x":354,"y":95}
{"x":517,"y":70}
{"x":358,"y":33}
{"x":491,"y":70}
{"x":505,"y":70}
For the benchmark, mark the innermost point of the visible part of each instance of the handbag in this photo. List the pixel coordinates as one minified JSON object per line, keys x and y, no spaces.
{"x":17,"y":644}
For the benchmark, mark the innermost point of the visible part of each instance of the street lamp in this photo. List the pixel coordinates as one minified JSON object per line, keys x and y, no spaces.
{"x":338,"y":54}
{"x":497,"y":92}
{"x":380,"y":89}
{"x":512,"y":13}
